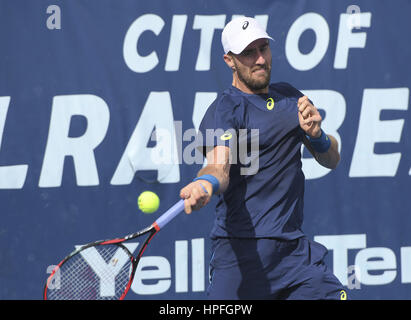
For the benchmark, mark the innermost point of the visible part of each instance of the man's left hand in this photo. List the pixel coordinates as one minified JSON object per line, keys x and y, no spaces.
{"x":309,"y":117}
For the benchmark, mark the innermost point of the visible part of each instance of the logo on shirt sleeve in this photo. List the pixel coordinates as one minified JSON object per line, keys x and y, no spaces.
{"x":270,"y":103}
{"x":226,"y":136}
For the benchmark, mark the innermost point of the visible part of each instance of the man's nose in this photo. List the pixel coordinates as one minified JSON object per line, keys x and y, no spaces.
{"x":260,"y":58}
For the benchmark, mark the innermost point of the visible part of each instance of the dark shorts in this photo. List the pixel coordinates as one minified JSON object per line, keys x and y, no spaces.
{"x":271,"y":269}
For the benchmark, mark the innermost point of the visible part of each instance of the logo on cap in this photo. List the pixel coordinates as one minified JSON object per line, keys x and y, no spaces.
{"x":245,"y":25}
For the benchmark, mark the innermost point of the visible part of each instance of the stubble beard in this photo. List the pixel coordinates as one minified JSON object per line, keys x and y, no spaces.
{"x":255,"y":84}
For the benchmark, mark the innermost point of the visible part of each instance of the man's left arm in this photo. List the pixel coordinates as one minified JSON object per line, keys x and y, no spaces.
{"x":323,"y":147}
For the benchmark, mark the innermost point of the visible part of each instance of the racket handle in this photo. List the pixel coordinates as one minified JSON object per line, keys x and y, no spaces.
{"x":170,"y":214}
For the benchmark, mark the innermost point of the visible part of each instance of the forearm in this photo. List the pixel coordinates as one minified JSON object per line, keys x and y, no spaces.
{"x":331,"y":158}
{"x":199,"y":192}
{"x":218,"y":165}
{"x":324,"y":148}
{"x":221,"y":172}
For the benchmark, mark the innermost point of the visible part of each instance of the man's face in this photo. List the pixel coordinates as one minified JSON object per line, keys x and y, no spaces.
{"x":253,"y":65}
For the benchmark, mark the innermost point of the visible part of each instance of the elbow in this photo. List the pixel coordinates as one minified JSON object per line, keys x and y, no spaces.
{"x":329,"y":162}
{"x":334,"y":163}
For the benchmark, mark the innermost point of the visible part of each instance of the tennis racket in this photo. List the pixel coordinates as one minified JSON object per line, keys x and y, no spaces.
{"x":102,"y":270}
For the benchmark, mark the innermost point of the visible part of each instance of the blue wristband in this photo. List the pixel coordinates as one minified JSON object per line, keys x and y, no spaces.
{"x":320,"y":144}
{"x":210,"y":178}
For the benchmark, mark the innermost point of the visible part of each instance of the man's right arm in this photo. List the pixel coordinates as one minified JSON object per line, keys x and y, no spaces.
{"x":218,"y":165}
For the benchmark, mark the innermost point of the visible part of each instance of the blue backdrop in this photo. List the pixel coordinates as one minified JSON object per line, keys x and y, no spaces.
{"x":88,"y":87}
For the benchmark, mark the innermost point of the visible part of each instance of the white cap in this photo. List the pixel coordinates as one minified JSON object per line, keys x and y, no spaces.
{"x":240,"y":32}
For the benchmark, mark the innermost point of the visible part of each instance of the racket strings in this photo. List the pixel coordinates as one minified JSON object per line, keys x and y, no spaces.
{"x":99,"y":272}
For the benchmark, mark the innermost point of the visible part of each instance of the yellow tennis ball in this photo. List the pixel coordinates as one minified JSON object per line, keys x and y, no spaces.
{"x":148,"y":202}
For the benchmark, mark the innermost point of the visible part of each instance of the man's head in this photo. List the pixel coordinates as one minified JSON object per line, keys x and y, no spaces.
{"x":248,"y":54}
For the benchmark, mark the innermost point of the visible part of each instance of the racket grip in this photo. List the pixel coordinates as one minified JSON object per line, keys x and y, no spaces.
{"x":170,"y":214}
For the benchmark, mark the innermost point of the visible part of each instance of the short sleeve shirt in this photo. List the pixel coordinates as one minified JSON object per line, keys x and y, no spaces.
{"x":265,"y":194}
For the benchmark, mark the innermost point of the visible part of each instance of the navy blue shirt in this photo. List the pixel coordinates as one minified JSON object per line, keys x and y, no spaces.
{"x":267,"y":202}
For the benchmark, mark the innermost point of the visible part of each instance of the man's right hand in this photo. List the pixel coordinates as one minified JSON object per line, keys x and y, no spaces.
{"x":196,"y":195}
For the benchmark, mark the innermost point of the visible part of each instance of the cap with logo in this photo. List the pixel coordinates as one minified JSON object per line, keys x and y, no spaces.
{"x":240,"y":32}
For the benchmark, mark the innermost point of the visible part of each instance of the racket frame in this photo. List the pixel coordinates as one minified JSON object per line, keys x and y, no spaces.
{"x":152,"y":230}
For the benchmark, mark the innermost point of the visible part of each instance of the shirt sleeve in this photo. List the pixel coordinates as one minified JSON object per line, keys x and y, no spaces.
{"x":290,"y":91}
{"x":220,"y":125}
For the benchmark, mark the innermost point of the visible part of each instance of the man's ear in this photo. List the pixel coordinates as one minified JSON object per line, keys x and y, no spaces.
{"x":229,"y":61}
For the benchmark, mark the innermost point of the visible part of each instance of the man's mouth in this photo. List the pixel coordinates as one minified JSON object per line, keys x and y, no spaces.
{"x":260,"y":71}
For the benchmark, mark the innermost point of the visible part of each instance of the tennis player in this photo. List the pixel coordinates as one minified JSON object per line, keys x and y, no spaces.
{"x":259,"y":250}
